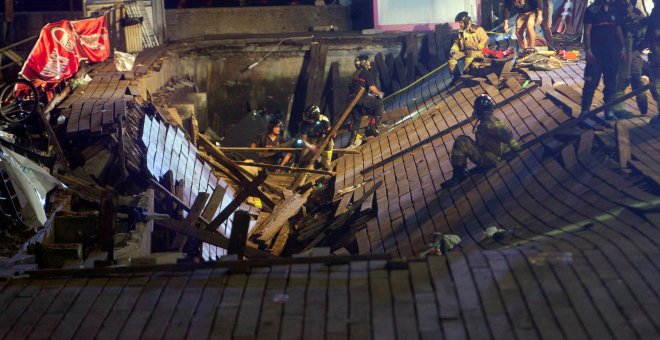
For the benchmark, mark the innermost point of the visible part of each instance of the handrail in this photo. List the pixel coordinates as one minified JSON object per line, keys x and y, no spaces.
{"x":9,"y":47}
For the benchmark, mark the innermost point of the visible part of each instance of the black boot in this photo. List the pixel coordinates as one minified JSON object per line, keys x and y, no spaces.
{"x":460,"y":173}
{"x":379,"y":123}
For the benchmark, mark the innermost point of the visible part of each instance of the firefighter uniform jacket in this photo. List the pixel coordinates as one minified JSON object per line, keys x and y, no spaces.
{"x":472,"y":39}
{"x":494,"y":138}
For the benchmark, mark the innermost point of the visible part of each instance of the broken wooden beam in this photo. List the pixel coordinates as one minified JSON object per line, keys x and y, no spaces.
{"x":241,"y":195}
{"x":623,"y":142}
{"x":212,"y":238}
{"x":288,"y":168}
{"x":239,"y":231}
{"x":249,"y":149}
{"x":107,"y":224}
{"x":240,"y":174}
{"x":282,"y":212}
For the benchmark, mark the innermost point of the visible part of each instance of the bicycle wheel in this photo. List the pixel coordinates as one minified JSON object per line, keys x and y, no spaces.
{"x":18,"y":101}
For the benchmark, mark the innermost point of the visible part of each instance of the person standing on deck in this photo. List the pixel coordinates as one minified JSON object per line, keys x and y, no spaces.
{"x":604,"y":49}
{"x":529,"y":14}
{"x":314,"y":129}
{"x":371,"y":102}
{"x":630,"y":72}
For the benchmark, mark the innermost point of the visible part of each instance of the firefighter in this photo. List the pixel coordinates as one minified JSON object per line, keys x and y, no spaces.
{"x":370,"y":103}
{"x":605,"y":49}
{"x":530,"y":13}
{"x":314,"y":129}
{"x":272,"y":138}
{"x":493,"y":140}
{"x":630,"y":72}
{"x":469,"y":43}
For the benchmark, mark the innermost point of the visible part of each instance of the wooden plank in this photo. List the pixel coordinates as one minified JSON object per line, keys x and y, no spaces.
{"x":239,"y":231}
{"x":400,"y":71}
{"x":513,"y":84}
{"x":360,"y":303}
{"x":623,"y":142}
{"x":432,"y":46}
{"x":565,"y":102}
{"x":410,"y":63}
{"x":282,"y":212}
{"x":144,"y":307}
{"x":165,"y":308}
{"x":403,"y":304}
{"x":213,"y":238}
{"x":569,"y":92}
{"x":384,"y":72}
{"x":97,"y":116}
{"x":58,"y":308}
{"x":586,"y":143}
{"x":315,"y":72}
{"x":237,"y":201}
{"x":381,"y":302}
{"x":108,"y":112}
{"x":214,"y":203}
{"x":339,"y":92}
{"x":86,"y":116}
{"x":120,"y":108}
{"x":74,"y":118}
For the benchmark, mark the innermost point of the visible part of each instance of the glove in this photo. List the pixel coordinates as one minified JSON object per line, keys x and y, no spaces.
{"x":334,"y":135}
{"x":312,"y":148}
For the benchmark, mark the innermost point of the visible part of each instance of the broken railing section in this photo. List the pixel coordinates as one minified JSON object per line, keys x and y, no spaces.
{"x":294,"y":227}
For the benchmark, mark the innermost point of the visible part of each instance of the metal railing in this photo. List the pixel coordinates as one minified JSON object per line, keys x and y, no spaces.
{"x":8,"y":51}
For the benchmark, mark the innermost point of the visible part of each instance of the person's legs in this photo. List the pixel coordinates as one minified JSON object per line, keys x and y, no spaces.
{"x":531,"y":33}
{"x":547,"y":22}
{"x":355,"y":124}
{"x":326,"y":155}
{"x":610,"y":68}
{"x":469,"y":58}
{"x":592,"y":74}
{"x":636,"y":81}
{"x":521,"y":26}
{"x":464,"y":148}
{"x":623,"y":77}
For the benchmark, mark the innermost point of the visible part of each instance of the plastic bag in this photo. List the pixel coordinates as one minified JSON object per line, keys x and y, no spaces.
{"x":124,"y":61}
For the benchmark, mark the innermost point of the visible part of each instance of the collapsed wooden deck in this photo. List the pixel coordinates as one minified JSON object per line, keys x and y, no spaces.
{"x":577,"y":256}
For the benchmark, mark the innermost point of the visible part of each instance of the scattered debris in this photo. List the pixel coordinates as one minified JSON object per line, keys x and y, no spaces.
{"x":441,"y":244}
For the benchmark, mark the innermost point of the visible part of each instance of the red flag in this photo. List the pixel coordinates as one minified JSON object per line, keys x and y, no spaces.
{"x":55,"y":55}
{"x":93,"y":40}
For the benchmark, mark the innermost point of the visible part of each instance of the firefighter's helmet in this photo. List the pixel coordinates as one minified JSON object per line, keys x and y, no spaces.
{"x":312,"y":113}
{"x":483,"y":106}
{"x":463,"y":17}
{"x":362,"y":62}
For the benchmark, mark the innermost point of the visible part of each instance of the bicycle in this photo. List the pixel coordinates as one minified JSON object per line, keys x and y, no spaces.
{"x":19,"y":99}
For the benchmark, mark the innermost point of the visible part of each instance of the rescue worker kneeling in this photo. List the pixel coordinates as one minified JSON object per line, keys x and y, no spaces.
{"x":493,"y":140}
{"x":314,"y":129}
{"x":469,"y":43}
